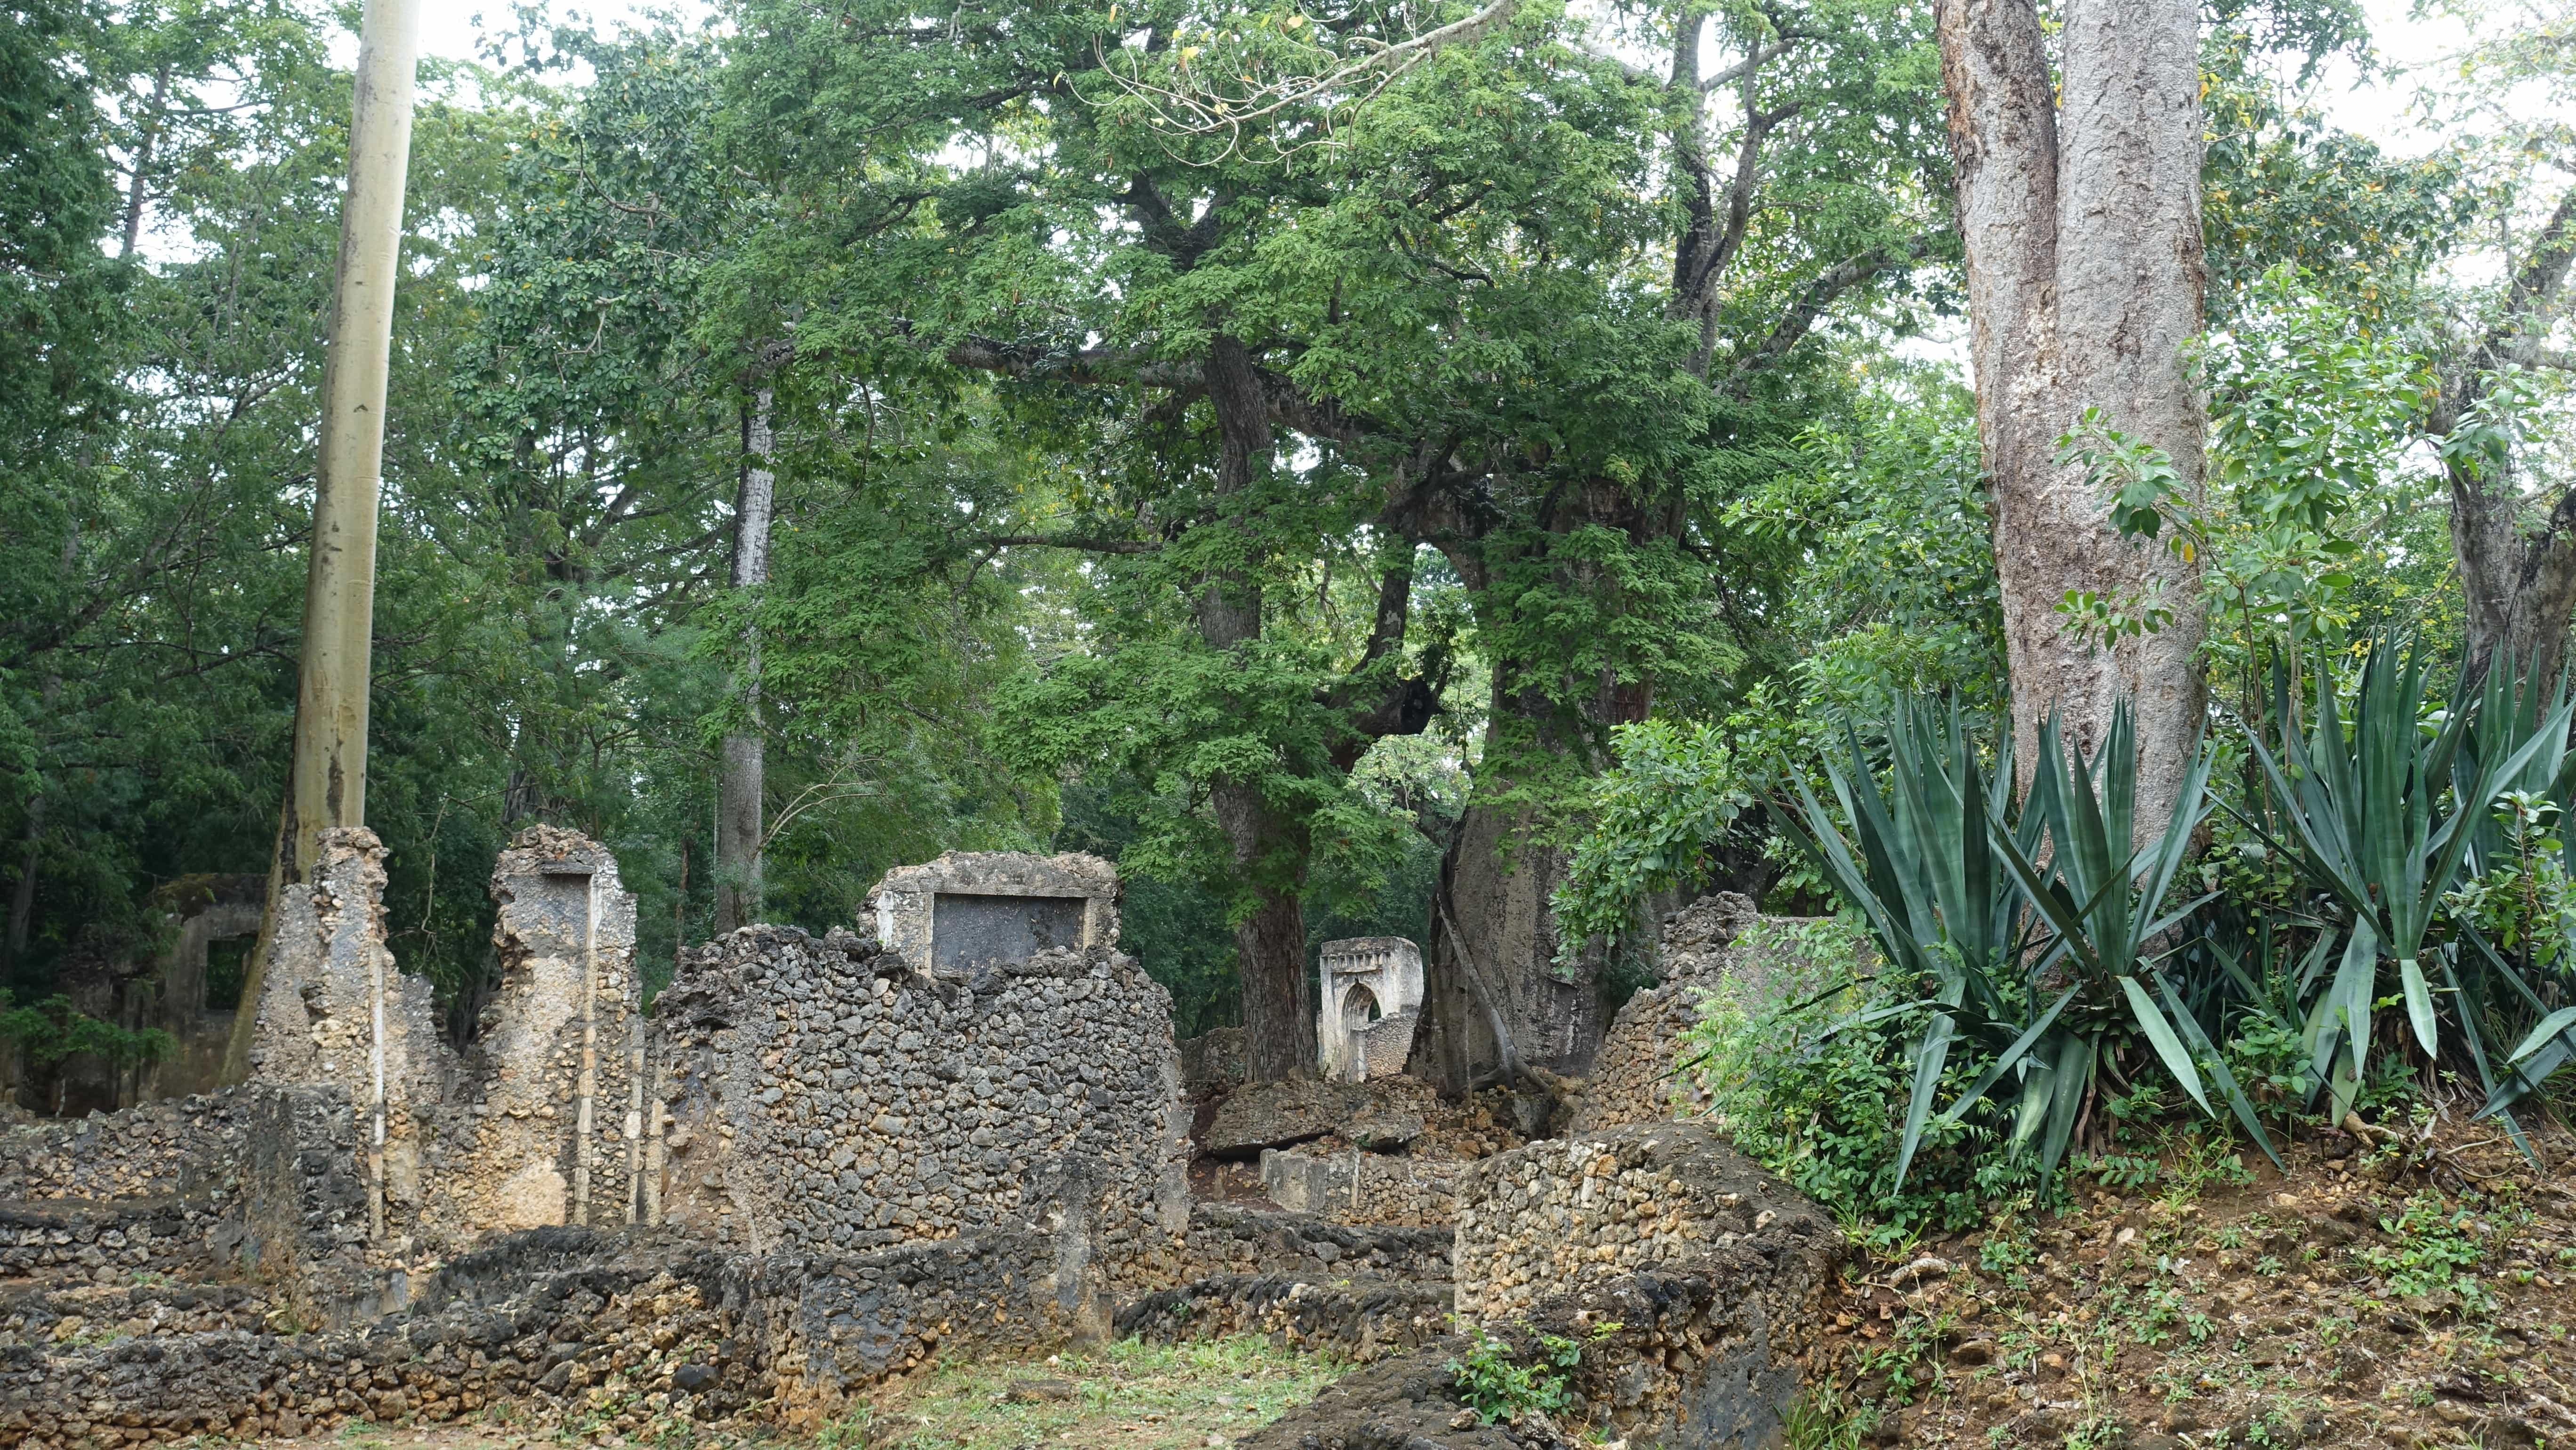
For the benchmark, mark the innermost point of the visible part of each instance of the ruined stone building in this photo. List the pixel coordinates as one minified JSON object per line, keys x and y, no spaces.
{"x":817,"y":1163}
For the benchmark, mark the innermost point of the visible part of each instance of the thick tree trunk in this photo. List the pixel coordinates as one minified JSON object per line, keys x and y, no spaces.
{"x":1495,"y":1003}
{"x":1498,"y":1004}
{"x":22,"y":892}
{"x":739,"y":786}
{"x":2082,"y":230}
{"x":2518,"y":583}
{"x":1270,"y":943}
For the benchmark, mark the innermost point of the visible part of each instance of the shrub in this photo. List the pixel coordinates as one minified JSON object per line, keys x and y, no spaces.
{"x":1498,"y":1385}
{"x":1812,"y":1103}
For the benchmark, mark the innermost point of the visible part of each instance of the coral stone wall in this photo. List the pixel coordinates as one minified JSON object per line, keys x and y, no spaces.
{"x":557,"y":1327}
{"x":1561,"y":1216}
{"x":825,"y":1096}
{"x":1633,"y":1080}
{"x":545,"y":1124}
{"x":176,"y":1145}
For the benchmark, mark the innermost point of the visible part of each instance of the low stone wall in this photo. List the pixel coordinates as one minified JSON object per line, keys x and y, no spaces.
{"x":1227,"y":1238}
{"x":1360,"y":1320}
{"x":1556,"y":1217}
{"x":826,"y":1097}
{"x":87,"y":1315}
{"x":1693,"y":1283}
{"x":176,"y":1145}
{"x":1709,"y":1359}
{"x":568,"y":1327}
{"x":112,"y":1243}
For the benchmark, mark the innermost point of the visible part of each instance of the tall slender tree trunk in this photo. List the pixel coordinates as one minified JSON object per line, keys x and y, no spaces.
{"x":738,"y":788}
{"x":2081,"y":220}
{"x":1269,"y":853}
{"x":327,"y":772}
{"x":22,"y":892}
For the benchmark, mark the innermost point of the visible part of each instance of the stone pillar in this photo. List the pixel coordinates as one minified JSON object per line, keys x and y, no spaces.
{"x":333,"y":1012}
{"x":1372,"y":999}
{"x":550,"y":1080}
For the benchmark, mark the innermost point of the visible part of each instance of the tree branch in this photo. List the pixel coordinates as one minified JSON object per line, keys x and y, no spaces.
{"x":1069,"y":541}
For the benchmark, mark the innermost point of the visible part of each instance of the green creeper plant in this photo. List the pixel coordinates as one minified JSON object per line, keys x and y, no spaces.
{"x":1675,"y":795}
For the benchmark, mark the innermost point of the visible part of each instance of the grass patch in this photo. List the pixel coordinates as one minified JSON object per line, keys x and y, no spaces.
{"x":1127,"y":1394}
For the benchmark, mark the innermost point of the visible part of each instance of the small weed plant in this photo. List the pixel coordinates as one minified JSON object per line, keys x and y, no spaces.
{"x":2437,"y":1248}
{"x":1498,"y":1385}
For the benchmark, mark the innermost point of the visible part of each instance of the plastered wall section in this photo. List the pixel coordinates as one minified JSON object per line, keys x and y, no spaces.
{"x":546,"y":1125}
{"x":905,"y":901}
{"x":335,"y":1012}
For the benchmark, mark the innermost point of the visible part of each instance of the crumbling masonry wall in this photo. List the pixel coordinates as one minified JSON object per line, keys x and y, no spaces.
{"x":1564,"y":1214}
{"x":546,"y":1125}
{"x":826,"y":1097}
{"x":1694,"y":1280}
{"x":335,"y":1012}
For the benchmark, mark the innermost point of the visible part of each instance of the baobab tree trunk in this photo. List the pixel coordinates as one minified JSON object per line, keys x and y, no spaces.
{"x":2081,"y":220}
{"x":1269,"y":854}
{"x":738,"y":788}
{"x":2518,"y":581}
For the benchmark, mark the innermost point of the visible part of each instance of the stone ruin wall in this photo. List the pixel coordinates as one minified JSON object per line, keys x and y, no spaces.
{"x":546,"y":1124}
{"x":1713,"y":949}
{"x":156,"y":1150}
{"x":828,"y":1163}
{"x":373,"y":1149}
{"x":825,"y":1096}
{"x":1560,"y":1216}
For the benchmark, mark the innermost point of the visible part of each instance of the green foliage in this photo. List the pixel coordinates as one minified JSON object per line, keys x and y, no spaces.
{"x":2436,"y":1248}
{"x":2039,"y":972}
{"x":1673,"y":795}
{"x":2523,"y":903}
{"x":2384,"y":816}
{"x":1499,"y":1382}
{"x":1802,"y":1082}
{"x":46,"y":1032}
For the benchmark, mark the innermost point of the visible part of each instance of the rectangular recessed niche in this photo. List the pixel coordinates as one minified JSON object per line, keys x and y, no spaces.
{"x":968,"y":929}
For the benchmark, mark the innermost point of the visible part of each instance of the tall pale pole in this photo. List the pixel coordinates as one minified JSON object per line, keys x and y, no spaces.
{"x":328,"y":781}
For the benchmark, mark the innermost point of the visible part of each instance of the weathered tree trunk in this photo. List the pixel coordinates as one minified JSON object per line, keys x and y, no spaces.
{"x":739,"y":786}
{"x":2081,"y":221}
{"x":22,"y":893}
{"x":1498,"y":1003}
{"x":2518,"y":581}
{"x":1270,"y":943}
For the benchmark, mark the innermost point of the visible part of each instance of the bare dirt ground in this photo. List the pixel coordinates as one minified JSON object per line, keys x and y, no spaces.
{"x":2412,"y":1290}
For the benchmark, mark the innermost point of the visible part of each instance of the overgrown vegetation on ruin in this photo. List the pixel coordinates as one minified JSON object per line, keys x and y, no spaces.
{"x":1483,"y":475}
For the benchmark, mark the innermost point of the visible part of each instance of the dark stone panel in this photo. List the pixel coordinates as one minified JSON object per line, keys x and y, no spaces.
{"x":967,"y":930}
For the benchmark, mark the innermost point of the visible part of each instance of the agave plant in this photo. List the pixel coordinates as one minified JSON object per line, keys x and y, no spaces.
{"x":1922,"y":872}
{"x":2044,"y":969}
{"x":2386,"y":813}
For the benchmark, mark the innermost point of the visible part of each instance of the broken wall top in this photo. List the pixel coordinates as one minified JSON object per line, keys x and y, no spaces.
{"x":978,"y":907}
